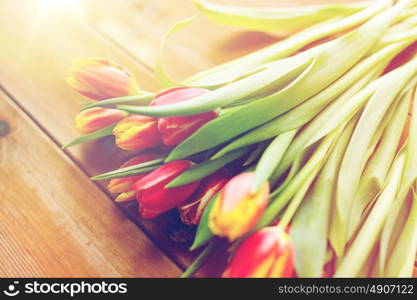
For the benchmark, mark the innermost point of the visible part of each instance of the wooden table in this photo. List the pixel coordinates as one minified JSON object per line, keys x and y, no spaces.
{"x":55,"y":221}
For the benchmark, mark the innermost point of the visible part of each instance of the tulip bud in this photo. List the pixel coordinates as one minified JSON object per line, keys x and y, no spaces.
{"x":94,"y":119}
{"x":176,"y":129}
{"x":123,"y":185}
{"x":236,"y":210}
{"x":137,"y":132}
{"x":267,"y":253}
{"x":100,"y":79}
{"x":152,"y":195}
{"x":192,"y":210}
{"x":126,"y":196}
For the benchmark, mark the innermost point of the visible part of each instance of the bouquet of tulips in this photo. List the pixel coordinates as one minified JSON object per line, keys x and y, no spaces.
{"x":299,"y":159}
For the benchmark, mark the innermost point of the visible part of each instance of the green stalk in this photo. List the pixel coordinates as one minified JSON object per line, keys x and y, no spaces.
{"x":409,"y":176}
{"x":142,"y":99}
{"x":310,"y":226}
{"x":361,"y":246}
{"x":271,"y":158}
{"x":107,"y":131}
{"x":131,"y":170}
{"x":267,"y":80}
{"x":202,"y":259}
{"x":401,"y":261}
{"x":355,"y":158}
{"x":206,"y":168}
{"x":375,"y":173}
{"x":313,"y":166}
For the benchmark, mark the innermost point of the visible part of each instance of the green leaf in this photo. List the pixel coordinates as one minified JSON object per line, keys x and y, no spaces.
{"x":312,"y":167}
{"x":142,"y":99}
{"x":204,"y":234}
{"x":343,"y":53}
{"x":271,"y":158}
{"x":344,"y":88}
{"x":378,"y":165}
{"x":393,"y":227}
{"x":356,"y":255}
{"x":240,"y":67}
{"x":274,"y":19}
{"x":206,"y":168}
{"x":160,"y":73}
{"x":310,"y":227}
{"x":269,"y":79}
{"x":254,"y":154}
{"x":131,"y":170}
{"x":126,"y":173}
{"x":107,"y":131}
{"x":356,"y":154}
{"x":296,"y":165}
{"x":212,"y":248}
{"x":401,"y":261}
{"x":410,"y":172}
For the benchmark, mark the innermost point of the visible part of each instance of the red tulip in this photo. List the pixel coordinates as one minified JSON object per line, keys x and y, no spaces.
{"x":192,"y":210}
{"x":123,"y":185}
{"x":152,"y":195}
{"x":176,"y":129}
{"x":267,"y":253}
{"x":93,"y":119}
{"x":100,"y":79}
{"x":236,"y":210}
{"x":137,"y":132}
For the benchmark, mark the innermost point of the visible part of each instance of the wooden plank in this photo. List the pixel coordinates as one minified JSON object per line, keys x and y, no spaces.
{"x":37,"y":45}
{"x":55,"y":222}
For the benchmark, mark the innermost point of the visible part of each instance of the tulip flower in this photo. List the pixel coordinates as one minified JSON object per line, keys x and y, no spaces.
{"x":100,"y":79}
{"x":137,"y":132}
{"x":176,"y":129}
{"x":152,"y":195}
{"x":122,"y":186}
{"x":267,"y":253}
{"x":192,"y":210}
{"x":94,"y":119}
{"x":236,"y":210}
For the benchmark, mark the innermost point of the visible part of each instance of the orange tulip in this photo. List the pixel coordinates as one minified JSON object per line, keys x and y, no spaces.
{"x":94,"y":119}
{"x":123,"y":185}
{"x":126,"y":196}
{"x":267,"y":253}
{"x":236,"y":210}
{"x":100,"y":79}
{"x":137,"y":132}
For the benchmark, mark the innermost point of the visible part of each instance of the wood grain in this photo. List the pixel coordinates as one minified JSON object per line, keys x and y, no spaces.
{"x":55,"y":222}
{"x":42,"y":44}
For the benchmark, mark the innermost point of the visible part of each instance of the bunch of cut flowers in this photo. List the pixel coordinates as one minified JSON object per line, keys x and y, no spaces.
{"x":298,"y":159}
